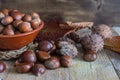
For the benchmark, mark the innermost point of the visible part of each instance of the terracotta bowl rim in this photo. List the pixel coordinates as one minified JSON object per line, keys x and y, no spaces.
{"x":23,"y":34}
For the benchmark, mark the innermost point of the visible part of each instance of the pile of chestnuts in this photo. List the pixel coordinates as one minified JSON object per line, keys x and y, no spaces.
{"x":44,"y":57}
{"x":15,"y":22}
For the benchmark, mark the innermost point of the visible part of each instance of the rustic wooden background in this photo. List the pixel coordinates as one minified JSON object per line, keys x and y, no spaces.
{"x":99,"y":11}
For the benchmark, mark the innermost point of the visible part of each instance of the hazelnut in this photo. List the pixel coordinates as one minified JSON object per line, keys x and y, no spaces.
{"x":1,"y":28}
{"x":42,"y":55}
{"x":16,"y":23}
{"x":1,"y":15}
{"x":27,"y":18}
{"x":23,"y":67}
{"x":11,"y":12}
{"x":38,"y":69}
{"x":66,"y":61}
{"x":35,"y":15}
{"x":8,"y":30}
{"x":5,"y":12}
{"x":35,"y":23}
{"x":7,"y":20}
{"x":2,"y":66}
{"x":45,"y":46}
{"x":25,"y":27}
{"x":17,"y":15}
{"x":28,"y":56}
{"x":52,"y":63}
{"x":90,"y":56}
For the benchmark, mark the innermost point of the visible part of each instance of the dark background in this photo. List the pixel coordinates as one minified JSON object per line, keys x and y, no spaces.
{"x":99,"y":11}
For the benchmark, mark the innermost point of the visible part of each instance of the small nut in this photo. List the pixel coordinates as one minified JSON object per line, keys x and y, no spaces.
{"x":1,"y":15}
{"x":35,"y":23}
{"x":17,"y":15}
{"x":16,"y":23}
{"x":66,"y":61}
{"x":35,"y":15}
{"x":52,"y":63}
{"x":90,"y":56}
{"x":27,"y":18}
{"x":7,"y":20}
{"x":2,"y":66}
{"x":28,"y":56}
{"x":8,"y":30}
{"x":38,"y":69}
{"x":5,"y":12}
{"x":11,"y":12}
{"x":25,"y":27}
{"x":42,"y":55}
{"x":23,"y":67}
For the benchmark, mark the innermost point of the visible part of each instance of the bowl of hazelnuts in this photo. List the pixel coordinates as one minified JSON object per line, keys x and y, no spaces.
{"x":18,"y":29}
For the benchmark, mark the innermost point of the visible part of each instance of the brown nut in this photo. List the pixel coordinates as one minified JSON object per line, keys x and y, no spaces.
{"x":38,"y":69}
{"x":1,"y":15}
{"x":1,"y":28}
{"x":28,"y":56}
{"x":17,"y":15}
{"x":52,"y":63}
{"x":27,"y":18}
{"x":11,"y":12}
{"x":23,"y":67}
{"x":90,"y":56}
{"x":25,"y":27}
{"x":7,"y":20}
{"x":45,"y":46}
{"x":35,"y":23}
{"x":2,"y":66}
{"x":5,"y":12}
{"x":16,"y":23}
{"x":66,"y":61}
{"x":42,"y":55}
{"x":34,"y":15}
{"x":8,"y":30}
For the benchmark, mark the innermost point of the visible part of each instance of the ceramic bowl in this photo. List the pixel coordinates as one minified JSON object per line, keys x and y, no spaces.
{"x":13,"y":42}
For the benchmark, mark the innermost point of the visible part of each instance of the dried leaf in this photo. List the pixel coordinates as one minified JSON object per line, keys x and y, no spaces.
{"x":113,"y":43}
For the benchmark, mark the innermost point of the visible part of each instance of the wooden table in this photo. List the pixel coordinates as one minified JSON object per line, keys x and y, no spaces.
{"x":106,"y":67}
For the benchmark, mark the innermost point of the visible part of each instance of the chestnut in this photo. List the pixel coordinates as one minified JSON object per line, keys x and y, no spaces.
{"x":2,"y":66}
{"x":38,"y":69}
{"x":34,"y":15}
{"x":46,"y":46}
{"x":27,"y":18}
{"x":11,"y":12}
{"x":5,"y":12}
{"x":35,"y":23}
{"x":1,"y":15}
{"x":52,"y":63}
{"x":23,"y":67}
{"x":25,"y":27}
{"x":1,"y":28}
{"x":90,"y":56}
{"x":42,"y":55}
{"x":66,"y":61}
{"x":7,"y":20}
{"x":17,"y":15}
{"x":16,"y":23}
{"x":28,"y":56}
{"x":8,"y":30}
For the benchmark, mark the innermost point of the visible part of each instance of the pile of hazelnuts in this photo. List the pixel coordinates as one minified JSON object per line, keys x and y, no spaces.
{"x":15,"y":22}
{"x":44,"y":57}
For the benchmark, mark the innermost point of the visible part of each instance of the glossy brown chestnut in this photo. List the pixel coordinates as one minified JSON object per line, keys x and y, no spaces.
{"x":90,"y":56}
{"x":16,"y":23}
{"x":25,"y":27}
{"x":1,"y":15}
{"x":34,"y":15}
{"x":17,"y":15}
{"x":38,"y":69}
{"x":2,"y":66}
{"x":27,"y":18}
{"x":42,"y":55}
{"x":7,"y":20}
{"x":66,"y":61}
{"x":23,"y":67}
{"x":52,"y":63}
{"x":8,"y":30}
{"x":5,"y":12}
{"x":28,"y":56}
{"x":45,"y":46}
{"x":35,"y":23}
{"x":11,"y":12}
